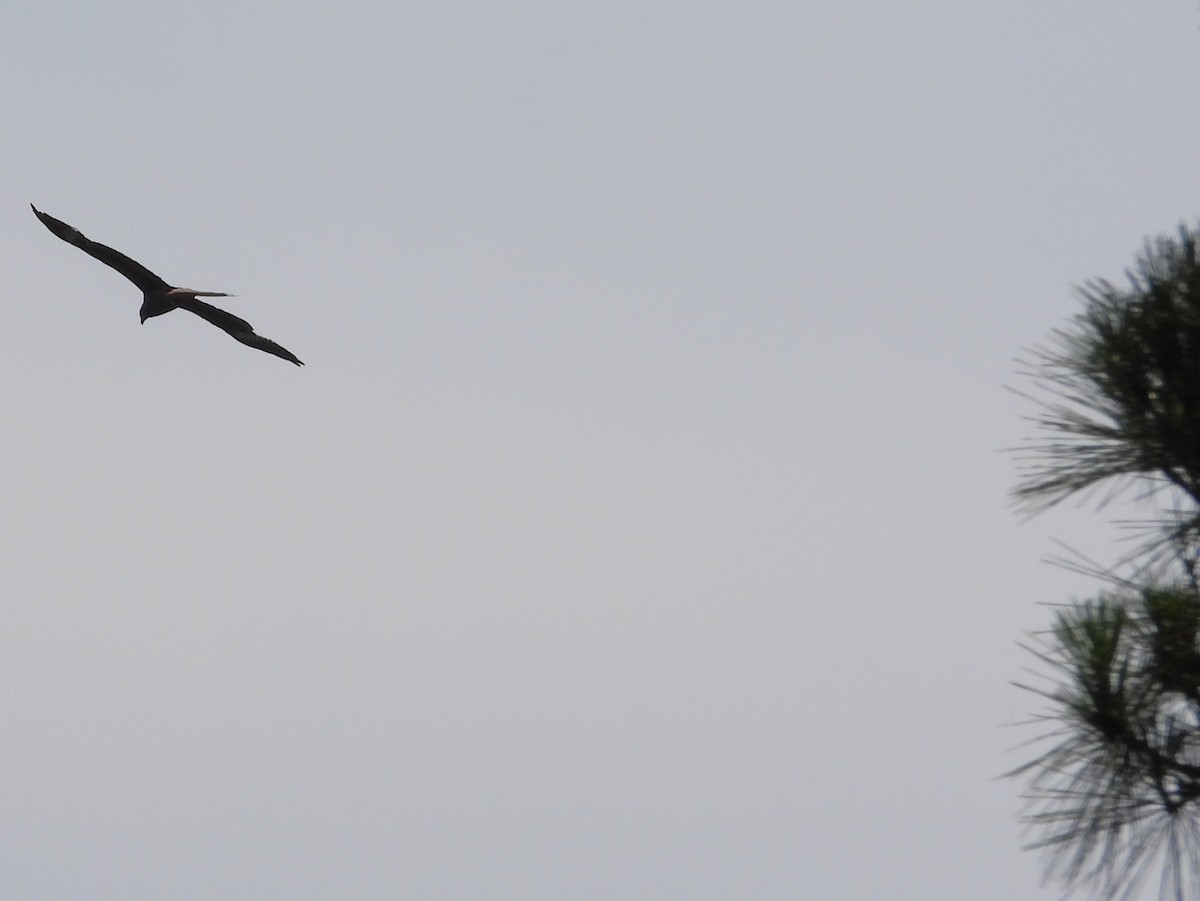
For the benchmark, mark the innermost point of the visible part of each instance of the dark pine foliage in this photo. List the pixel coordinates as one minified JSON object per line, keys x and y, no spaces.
{"x":1114,"y":792}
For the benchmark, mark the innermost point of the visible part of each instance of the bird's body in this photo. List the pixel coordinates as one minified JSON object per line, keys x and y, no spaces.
{"x":158,"y":297}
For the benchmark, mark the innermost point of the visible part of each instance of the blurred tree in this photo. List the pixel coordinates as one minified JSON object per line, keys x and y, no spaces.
{"x":1114,"y":791}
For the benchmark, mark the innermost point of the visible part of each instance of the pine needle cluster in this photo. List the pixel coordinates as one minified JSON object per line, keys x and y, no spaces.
{"x":1114,"y":793}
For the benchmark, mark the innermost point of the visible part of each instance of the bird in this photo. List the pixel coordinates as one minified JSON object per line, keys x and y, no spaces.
{"x":159,"y":297}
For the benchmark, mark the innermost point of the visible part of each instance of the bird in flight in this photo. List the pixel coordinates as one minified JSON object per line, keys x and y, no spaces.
{"x":159,"y":297}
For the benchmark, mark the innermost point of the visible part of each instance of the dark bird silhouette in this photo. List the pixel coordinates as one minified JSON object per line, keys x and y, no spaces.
{"x":159,"y":297}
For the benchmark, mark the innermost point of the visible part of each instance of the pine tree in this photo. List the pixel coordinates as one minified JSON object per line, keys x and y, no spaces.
{"x":1113,"y":794}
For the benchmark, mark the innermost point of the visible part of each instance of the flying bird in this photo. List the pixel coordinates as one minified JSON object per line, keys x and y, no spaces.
{"x":159,"y":297}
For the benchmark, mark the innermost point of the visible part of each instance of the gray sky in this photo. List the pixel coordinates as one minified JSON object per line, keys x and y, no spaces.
{"x":637,"y":528}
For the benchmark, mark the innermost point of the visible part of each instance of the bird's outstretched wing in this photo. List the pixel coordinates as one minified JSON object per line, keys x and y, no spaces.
{"x":240,"y":329}
{"x":131,"y":269}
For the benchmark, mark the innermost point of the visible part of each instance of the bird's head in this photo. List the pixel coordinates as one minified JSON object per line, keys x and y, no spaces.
{"x":154,"y":305}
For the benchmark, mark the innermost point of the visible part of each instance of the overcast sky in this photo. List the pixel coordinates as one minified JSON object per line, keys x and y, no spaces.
{"x":638,"y":527}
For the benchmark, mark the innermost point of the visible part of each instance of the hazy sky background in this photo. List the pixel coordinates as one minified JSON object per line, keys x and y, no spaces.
{"x":638,"y":528}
